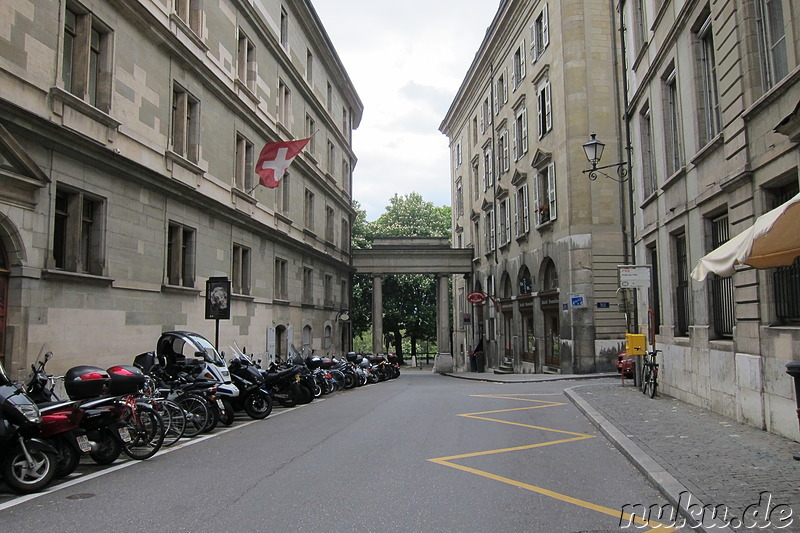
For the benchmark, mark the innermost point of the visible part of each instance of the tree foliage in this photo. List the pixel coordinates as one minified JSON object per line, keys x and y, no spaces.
{"x":409,"y":300}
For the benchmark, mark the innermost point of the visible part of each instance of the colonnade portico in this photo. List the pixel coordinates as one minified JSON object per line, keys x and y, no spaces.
{"x":412,"y":255}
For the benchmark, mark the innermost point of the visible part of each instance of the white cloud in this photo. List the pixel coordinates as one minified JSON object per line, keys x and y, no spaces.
{"x":406,"y":60}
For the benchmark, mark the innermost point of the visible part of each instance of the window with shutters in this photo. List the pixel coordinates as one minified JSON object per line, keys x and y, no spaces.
{"x":540,"y":34}
{"x":519,"y":65}
{"x":544,"y":194}
{"x":544,"y":108}
{"x":522,"y":220}
{"x":520,"y":132}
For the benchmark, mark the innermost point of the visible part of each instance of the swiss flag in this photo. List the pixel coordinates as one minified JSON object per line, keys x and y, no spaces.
{"x":275,"y":158}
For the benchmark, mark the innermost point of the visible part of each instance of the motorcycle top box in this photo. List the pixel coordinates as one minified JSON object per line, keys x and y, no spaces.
{"x":353,"y":358}
{"x":84,"y":382}
{"x":326,"y":363}
{"x":313,"y":362}
{"x":125,"y":379}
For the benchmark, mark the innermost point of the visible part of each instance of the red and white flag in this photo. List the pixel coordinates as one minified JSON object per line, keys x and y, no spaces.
{"x":275,"y":158}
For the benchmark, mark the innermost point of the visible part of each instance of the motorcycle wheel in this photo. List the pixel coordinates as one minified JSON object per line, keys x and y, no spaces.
{"x":107,"y":448}
{"x":288,"y":396}
{"x":147,"y":435}
{"x":349,"y":381}
{"x":306,"y":394}
{"x":257,"y":404}
{"x":213,"y":417}
{"x":25,"y":478}
{"x":373,"y":377}
{"x":195,"y":411}
{"x":68,"y":457}
{"x":227,"y":418}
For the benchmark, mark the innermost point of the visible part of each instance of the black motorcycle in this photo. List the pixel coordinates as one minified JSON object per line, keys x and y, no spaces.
{"x":254,"y":397}
{"x":28,"y":463}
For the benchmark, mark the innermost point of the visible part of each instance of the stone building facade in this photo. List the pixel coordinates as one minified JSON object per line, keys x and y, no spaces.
{"x":547,"y":239}
{"x":713,"y":110}
{"x":129,"y":133}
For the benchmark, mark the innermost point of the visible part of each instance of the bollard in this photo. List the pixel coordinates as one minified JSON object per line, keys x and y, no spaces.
{"x":793,"y":369}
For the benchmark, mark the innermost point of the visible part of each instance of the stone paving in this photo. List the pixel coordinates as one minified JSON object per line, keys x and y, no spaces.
{"x":720,"y":461}
{"x":695,"y":457}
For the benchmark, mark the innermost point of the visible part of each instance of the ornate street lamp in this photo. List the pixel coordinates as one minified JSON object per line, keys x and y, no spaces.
{"x":594,"y":152}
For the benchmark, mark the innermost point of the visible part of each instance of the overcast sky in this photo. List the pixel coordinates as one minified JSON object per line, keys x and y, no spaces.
{"x":406,"y":60}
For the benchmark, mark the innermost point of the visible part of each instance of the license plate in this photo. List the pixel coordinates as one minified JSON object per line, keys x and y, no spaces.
{"x":220,"y":404}
{"x":124,"y":434}
{"x":83,"y":443}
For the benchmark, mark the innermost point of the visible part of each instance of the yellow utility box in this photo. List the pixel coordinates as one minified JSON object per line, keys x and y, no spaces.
{"x":635,"y":344}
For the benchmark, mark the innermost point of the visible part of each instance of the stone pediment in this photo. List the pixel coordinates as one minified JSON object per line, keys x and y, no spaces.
{"x":20,"y":176}
{"x":541,"y":158}
{"x":518,"y":178}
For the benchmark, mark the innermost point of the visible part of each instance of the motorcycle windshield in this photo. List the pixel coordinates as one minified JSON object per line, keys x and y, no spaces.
{"x":210,"y":354}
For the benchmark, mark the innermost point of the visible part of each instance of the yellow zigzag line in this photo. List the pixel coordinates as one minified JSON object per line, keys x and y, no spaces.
{"x":446,"y":461}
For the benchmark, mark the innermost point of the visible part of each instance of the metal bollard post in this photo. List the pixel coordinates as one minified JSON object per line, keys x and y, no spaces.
{"x":793,"y":369}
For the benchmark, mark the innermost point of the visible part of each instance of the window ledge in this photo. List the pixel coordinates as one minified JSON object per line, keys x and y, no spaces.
{"x":57,"y":94}
{"x":670,"y":181}
{"x":640,"y":54}
{"x":175,"y":157}
{"x":710,"y":147}
{"x":49,"y":273}
{"x":310,"y":233}
{"x":244,"y":89}
{"x":239,"y":193}
{"x":243,"y":297}
{"x":180,"y":289}
{"x":188,"y":31}
{"x":283,"y":217}
{"x":280,"y":301}
{"x":522,"y":237}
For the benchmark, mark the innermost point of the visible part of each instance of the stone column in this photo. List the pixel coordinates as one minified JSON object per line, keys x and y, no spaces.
{"x":442,"y":314}
{"x":444,"y":359}
{"x":377,"y":314}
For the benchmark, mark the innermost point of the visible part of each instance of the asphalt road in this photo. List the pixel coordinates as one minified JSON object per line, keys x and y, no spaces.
{"x":420,"y":453}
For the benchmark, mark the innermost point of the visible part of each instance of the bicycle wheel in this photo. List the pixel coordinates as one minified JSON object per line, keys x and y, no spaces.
{"x":174,"y":420}
{"x":147,"y":434}
{"x":646,"y":379}
{"x":653,"y":383}
{"x":195,"y":412}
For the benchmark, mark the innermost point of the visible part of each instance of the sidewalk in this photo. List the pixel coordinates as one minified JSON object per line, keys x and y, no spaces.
{"x":697,"y":459}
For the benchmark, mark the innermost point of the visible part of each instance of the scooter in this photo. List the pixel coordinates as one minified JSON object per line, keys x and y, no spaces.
{"x":61,"y":420}
{"x":28,"y":463}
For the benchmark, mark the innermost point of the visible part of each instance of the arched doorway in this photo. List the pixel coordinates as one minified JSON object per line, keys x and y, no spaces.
{"x":526,"y":300}
{"x":3,"y":302}
{"x":507,"y":310}
{"x":549,"y":303}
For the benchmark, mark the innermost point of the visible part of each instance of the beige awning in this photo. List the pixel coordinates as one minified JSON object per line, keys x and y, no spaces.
{"x":773,"y":241}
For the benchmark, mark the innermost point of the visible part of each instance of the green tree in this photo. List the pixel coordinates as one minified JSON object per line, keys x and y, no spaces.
{"x":409,"y":300}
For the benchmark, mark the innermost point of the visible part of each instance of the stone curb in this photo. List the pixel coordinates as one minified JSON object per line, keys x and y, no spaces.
{"x":672,"y":489}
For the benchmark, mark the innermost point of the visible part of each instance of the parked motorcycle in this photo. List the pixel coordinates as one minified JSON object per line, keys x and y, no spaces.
{"x":27,"y":463}
{"x":61,"y":420}
{"x":254,"y":398}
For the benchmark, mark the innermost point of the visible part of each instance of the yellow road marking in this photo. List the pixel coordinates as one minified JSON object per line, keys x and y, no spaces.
{"x":447,"y":461}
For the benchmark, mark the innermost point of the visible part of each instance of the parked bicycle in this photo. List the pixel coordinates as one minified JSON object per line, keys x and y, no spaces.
{"x":650,"y":373}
